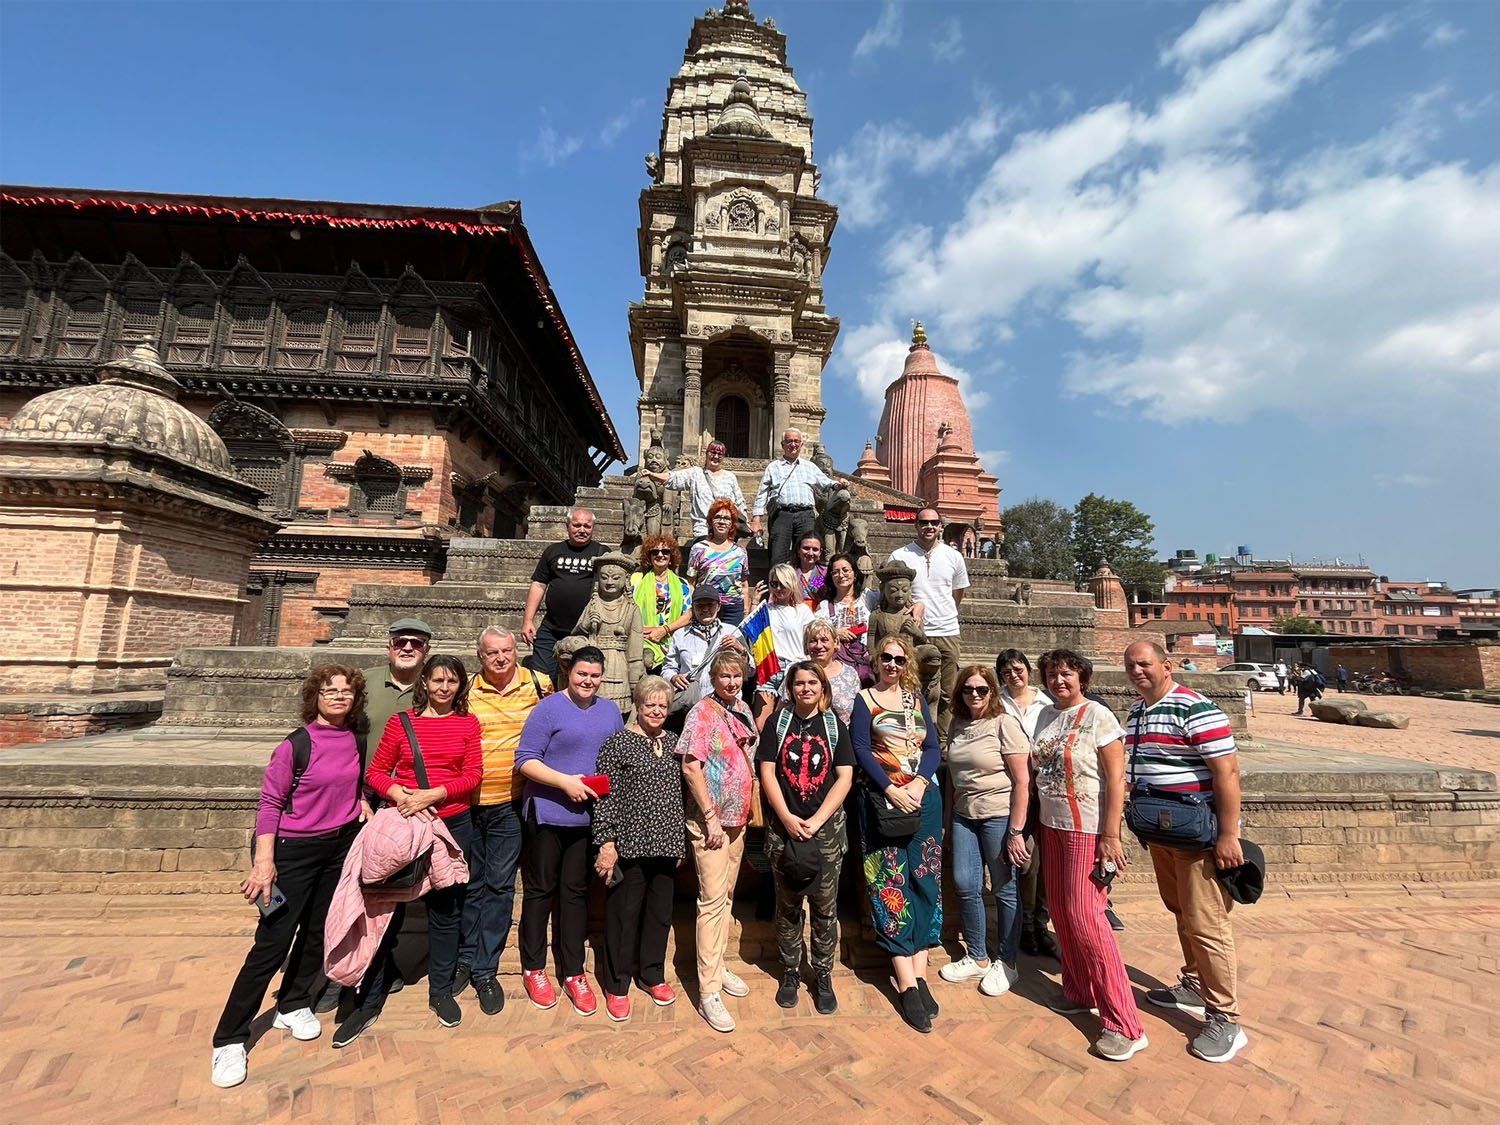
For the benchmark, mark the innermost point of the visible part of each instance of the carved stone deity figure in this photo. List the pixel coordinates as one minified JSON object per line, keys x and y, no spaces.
{"x":859,"y":547}
{"x":894,"y":615}
{"x":651,"y":493}
{"x":833,"y":521}
{"x":612,"y":622}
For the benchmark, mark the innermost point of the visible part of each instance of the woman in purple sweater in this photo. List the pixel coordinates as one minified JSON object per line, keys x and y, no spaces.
{"x":559,"y":748}
{"x":302,"y":833}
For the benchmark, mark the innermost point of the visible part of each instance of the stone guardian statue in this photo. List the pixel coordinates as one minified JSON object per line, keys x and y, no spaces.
{"x":895,"y":615}
{"x":612,"y":622}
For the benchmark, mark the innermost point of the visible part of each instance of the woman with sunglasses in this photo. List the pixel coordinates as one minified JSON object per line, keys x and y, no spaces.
{"x":1024,"y":702}
{"x":719,"y":561}
{"x":299,"y":852}
{"x":662,"y":597}
{"x":987,"y":763}
{"x":896,"y":745}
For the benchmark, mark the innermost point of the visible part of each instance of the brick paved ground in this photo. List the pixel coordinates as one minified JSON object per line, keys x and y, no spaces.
{"x":1376,"y":1007}
{"x":1443,"y":731}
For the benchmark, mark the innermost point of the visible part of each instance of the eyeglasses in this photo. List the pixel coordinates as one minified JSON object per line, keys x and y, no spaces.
{"x":929,"y":523}
{"x":660,"y":554}
{"x":400,"y":643}
{"x":790,"y":443}
{"x":893,"y":658}
{"x":1015,"y":671}
{"x":980,"y":690}
{"x":336,"y":693}
{"x":716,"y":451}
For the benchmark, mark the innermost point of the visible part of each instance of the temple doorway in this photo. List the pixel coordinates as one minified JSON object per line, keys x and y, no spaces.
{"x":737,"y":394}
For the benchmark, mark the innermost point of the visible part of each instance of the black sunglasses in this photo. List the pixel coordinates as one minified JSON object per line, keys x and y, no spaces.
{"x":658,"y":554}
{"x":893,"y":658}
{"x":981,"y":690}
{"x":930,"y":523}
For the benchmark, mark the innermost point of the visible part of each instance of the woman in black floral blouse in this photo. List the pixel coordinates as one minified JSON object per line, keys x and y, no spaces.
{"x":640,"y":831}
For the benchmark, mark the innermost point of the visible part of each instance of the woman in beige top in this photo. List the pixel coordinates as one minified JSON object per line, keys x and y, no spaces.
{"x":987,"y":764}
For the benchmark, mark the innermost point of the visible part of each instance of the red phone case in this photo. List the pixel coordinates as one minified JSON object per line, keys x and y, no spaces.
{"x":599,"y":783}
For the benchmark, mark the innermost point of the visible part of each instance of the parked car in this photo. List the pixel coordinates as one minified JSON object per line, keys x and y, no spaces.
{"x":1258,"y":677}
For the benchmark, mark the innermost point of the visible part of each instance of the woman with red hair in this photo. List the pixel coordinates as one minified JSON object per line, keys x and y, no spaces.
{"x":661,"y":595}
{"x":719,"y":561}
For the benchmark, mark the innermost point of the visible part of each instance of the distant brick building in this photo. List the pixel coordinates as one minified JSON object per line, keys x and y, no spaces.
{"x":389,"y":377}
{"x":1417,"y":609}
{"x":1229,"y":598}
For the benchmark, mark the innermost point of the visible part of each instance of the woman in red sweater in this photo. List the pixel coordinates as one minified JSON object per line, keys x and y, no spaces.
{"x":448,"y":737}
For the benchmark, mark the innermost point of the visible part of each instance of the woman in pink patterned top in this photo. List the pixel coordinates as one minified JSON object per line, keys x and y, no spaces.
{"x":717,"y":747}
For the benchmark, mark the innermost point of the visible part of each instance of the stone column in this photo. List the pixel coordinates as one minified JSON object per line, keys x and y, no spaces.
{"x":692,"y":400}
{"x":781,"y":400}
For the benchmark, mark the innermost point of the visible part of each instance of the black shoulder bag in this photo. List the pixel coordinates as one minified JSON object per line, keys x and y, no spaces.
{"x":414,"y":872}
{"x":1167,"y":817}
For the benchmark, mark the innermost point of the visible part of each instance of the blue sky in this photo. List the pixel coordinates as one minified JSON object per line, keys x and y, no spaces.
{"x":1238,"y":263}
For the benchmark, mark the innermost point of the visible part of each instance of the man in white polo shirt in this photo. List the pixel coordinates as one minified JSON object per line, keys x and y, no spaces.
{"x":939,"y":587}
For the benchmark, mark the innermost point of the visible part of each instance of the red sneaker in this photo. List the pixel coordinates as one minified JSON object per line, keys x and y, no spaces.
{"x":582,"y":996}
{"x":539,"y":989}
{"x":661,"y":994}
{"x":616,"y":1007}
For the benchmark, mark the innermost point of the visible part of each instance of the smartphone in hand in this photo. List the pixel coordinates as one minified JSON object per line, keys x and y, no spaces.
{"x":1104,"y":873}
{"x":270,"y":901}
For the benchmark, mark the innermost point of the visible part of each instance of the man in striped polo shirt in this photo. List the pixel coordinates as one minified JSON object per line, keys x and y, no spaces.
{"x":1176,"y":739}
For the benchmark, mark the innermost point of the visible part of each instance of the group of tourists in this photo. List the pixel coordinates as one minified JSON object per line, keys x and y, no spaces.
{"x":421,"y":780}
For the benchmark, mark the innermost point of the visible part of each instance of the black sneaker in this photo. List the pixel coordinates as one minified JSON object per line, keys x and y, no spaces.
{"x":491,"y":996}
{"x":352,"y":1028}
{"x":449,"y":1014}
{"x":823,"y":998}
{"x":1113,"y":919}
{"x":927,"y":999}
{"x":914,"y":1012}
{"x":786,"y":995}
{"x":1046,"y":946}
{"x":461,"y":977}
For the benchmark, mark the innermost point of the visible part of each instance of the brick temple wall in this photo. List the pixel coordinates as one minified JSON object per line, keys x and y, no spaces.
{"x":1453,"y":667}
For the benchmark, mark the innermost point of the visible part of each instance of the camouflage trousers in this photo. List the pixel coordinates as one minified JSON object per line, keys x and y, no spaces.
{"x":821,"y":896}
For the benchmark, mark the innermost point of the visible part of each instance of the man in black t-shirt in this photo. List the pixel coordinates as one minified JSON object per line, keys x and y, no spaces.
{"x":806,"y":766}
{"x":564,"y":575}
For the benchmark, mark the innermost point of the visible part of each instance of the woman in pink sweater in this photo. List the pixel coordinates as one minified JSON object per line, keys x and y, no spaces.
{"x":307,"y":821}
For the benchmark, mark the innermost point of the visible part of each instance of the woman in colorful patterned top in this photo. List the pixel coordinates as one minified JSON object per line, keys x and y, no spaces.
{"x":1078,"y":760}
{"x":717,"y":747}
{"x":847,"y":605}
{"x":721,"y":562}
{"x":661,"y":595}
{"x":896,"y":745}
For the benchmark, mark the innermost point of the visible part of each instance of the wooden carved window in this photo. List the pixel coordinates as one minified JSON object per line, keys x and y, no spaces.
{"x":262,"y":451}
{"x":378,"y":489}
{"x":14,"y":288}
{"x":732,"y":425}
{"x":411,"y":339}
{"x":359,"y":338}
{"x":457,"y":336}
{"x":83,"y":322}
{"x":194,"y":332}
{"x":140,"y":319}
{"x":249,"y":334}
{"x":304,"y":328}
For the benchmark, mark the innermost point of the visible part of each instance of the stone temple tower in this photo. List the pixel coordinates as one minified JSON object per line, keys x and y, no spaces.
{"x":731,"y":335}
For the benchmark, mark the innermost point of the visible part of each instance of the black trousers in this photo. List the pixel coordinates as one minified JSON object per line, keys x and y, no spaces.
{"x":445,"y":911}
{"x":787,"y":530}
{"x":556,"y":868}
{"x":307,"y":872}
{"x":637,"y":920}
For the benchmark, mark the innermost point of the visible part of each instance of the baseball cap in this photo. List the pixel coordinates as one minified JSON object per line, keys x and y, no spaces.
{"x":1245,"y":882}
{"x":706,"y":593}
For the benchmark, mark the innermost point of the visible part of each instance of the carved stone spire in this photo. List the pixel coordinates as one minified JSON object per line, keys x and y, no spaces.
{"x":740,"y":117}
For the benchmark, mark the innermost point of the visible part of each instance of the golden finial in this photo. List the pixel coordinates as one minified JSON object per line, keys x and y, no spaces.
{"x":918,"y":335}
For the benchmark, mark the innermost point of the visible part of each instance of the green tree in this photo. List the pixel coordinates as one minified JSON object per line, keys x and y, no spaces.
{"x":1037,"y":540}
{"x":1297,"y":625}
{"x":1119,"y":533}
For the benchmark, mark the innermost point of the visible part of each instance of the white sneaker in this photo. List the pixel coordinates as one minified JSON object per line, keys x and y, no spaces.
{"x":712,"y":1009}
{"x":301,"y":1023}
{"x":734,"y":985}
{"x":998,"y":979}
{"x":965,"y":968}
{"x":229,"y":1065}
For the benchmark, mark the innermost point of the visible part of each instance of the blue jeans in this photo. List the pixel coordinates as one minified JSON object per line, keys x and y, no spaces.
{"x":973,"y":846}
{"x":492,"y":888}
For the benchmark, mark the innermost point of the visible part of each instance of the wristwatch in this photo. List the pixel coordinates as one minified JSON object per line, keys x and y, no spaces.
{"x":1015,"y":831}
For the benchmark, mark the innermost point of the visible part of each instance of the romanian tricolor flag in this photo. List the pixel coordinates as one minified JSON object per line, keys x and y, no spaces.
{"x":756,"y":629}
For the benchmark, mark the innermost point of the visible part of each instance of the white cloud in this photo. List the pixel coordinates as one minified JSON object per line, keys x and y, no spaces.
{"x":993,"y":459}
{"x":550,"y":147}
{"x":1405,"y":480}
{"x":861,"y":173}
{"x":886,"y":31}
{"x":873,"y":355}
{"x":949,"y":43}
{"x":1379,"y":31}
{"x":616,"y":125}
{"x":1443,"y":35}
{"x":1204,"y":280}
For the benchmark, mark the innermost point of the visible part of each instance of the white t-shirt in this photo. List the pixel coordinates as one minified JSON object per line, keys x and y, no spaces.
{"x":787,"y":623}
{"x":850,"y":616}
{"x":1065,"y":763}
{"x":938,"y":575}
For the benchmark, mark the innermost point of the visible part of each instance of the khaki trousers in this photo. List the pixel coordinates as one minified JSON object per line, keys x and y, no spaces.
{"x":718,"y":869}
{"x":1201,"y":906}
{"x":951,"y":650}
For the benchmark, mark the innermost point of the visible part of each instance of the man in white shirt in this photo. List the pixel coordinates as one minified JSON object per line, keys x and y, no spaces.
{"x":939,"y":587}
{"x":789,"y":484}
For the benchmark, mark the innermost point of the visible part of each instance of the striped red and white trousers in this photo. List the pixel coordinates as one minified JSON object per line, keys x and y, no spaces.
{"x":1093,"y":970}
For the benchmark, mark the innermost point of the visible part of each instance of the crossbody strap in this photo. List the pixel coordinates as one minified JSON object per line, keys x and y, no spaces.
{"x":418,"y":766}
